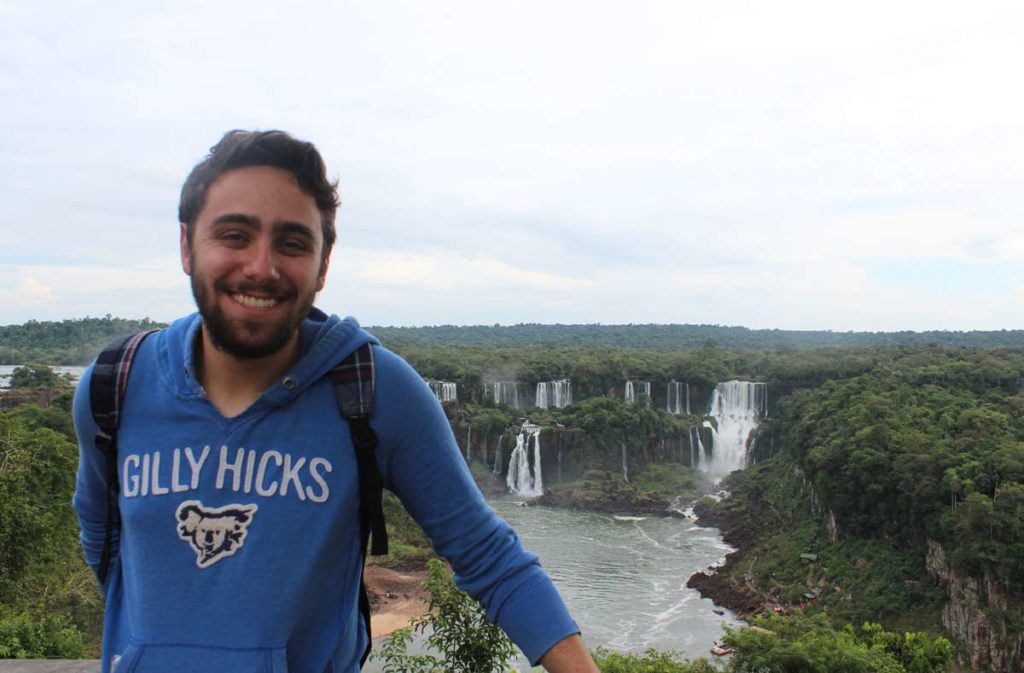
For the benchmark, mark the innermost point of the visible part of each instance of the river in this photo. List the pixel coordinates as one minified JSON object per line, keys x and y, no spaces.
{"x":624,"y":578}
{"x":6,"y":370}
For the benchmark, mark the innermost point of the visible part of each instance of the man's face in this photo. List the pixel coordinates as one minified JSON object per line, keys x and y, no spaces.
{"x":255,"y":260}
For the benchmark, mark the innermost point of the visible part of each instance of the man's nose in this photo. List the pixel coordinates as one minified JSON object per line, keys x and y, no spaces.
{"x":262,"y":261}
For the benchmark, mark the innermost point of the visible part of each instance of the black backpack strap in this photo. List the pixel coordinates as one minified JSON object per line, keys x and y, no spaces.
{"x":106,"y":395}
{"x":354,"y":383}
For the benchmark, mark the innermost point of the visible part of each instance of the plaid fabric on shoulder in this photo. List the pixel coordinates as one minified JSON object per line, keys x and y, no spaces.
{"x":353,"y":379}
{"x":110,"y":380}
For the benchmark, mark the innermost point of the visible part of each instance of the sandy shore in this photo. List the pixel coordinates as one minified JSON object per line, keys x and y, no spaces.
{"x":397,"y":596}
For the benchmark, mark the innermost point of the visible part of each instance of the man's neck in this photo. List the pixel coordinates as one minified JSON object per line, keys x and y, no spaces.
{"x":233,"y":384}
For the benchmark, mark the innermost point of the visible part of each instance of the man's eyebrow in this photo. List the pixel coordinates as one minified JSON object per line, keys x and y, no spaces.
{"x":288,"y":227}
{"x":237,"y":218}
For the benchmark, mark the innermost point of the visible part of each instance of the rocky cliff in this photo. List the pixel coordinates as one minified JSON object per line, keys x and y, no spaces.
{"x":972,"y":617}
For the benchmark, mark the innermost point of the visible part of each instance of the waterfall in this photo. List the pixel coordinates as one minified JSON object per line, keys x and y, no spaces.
{"x":503,"y":392}
{"x":635,"y":390}
{"x":520,"y":480}
{"x":497,"y":454}
{"x":696,"y":447}
{"x":557,"y":394}
{"x":738,"y":407}
{"x":445,"y":391}
{"x":677,"y":398}
{"x":625,"y":467}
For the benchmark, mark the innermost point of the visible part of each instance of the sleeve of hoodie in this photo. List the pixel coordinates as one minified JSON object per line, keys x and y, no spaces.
{"x":90,"y":500}
{"x":422,"y":464}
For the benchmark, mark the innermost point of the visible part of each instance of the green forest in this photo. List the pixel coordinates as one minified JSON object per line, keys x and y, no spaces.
{"x":76,"y":341}
{"x":897,"y":471}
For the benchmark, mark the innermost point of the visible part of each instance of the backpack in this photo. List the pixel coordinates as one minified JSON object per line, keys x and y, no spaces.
{"x":354,"y":383}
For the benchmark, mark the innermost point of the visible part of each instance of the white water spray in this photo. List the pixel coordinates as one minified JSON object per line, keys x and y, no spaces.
{"x":521,"y":480}
{"x":737,"y":407}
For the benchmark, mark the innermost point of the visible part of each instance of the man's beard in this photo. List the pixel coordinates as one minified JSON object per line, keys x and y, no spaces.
{"x":229,"y":336}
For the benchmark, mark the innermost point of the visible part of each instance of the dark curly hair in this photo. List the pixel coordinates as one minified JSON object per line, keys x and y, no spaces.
{"x":238,"y":149}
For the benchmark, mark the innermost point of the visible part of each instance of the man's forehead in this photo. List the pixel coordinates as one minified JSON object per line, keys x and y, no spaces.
{"x":262,"y":193}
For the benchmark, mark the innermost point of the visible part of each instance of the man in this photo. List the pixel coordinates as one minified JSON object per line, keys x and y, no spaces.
{"x":239,"y":544}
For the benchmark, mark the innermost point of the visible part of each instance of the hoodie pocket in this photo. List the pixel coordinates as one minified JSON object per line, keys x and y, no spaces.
{"x":151,"y":658}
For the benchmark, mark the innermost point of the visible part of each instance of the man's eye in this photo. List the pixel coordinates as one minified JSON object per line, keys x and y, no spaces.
{"x":233,"y":237}
{"x":293,"y":246}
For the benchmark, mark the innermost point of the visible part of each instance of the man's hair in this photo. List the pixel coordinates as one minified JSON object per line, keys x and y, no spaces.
{"x":238,"y":149}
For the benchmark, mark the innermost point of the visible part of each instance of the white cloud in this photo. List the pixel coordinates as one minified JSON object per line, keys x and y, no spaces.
{"x":28,"y":293}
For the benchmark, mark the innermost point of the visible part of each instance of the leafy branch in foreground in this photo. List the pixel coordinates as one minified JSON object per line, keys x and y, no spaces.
{"x":458,"y":630}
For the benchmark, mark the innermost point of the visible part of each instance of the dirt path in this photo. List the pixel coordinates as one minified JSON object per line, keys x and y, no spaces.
{"x":397,"y":596}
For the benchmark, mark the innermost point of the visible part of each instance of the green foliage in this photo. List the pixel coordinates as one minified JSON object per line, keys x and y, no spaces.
{"x":928,"y":444}
{"x":856,"y":578}
{"x":812,"y":645}
{"x":677,"y":337}
{"x":49,"y":637}
{"x":405,"y":537}
{"x":651,"y":661}
{"x":651,"y":490}
{"x":38,"y":377}
{"x":458,"y":630}
{"x":45,"y":579}
{"x":666,"y":481}
{"x":68,"y":342}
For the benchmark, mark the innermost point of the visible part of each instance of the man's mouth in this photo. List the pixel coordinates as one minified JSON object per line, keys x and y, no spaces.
{"x":249,"y":301}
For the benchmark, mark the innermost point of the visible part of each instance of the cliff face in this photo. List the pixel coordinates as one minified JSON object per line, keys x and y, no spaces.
{"x":990,"y":646}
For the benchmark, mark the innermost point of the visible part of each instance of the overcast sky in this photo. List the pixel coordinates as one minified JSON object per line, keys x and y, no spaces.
{"x":799,"y":165}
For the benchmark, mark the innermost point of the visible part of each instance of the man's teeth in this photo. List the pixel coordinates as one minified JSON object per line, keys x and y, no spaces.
{"x":255,"y":302}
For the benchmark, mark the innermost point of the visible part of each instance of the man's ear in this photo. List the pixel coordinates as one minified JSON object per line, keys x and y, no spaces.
{"x":322,"y":280}
{"x":186,"y":258}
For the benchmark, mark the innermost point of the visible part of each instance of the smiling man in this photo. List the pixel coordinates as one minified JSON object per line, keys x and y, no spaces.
{"x":242,"y":517}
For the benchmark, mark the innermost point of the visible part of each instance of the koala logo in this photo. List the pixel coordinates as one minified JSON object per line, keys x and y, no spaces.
{"x":213,"y":533}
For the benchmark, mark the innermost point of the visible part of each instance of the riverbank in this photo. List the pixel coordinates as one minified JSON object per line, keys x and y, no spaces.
{"x":720,"y":584}
{"x":397,"y":594}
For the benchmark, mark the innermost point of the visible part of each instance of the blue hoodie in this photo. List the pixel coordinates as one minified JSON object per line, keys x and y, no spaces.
{"x":239,"y":547}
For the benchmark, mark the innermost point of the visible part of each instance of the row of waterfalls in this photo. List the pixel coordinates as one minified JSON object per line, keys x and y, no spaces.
{"x":735,"y":409}
{"x":444,"y":391}
{"x":545,"y":395}
{"x":558,"y":394}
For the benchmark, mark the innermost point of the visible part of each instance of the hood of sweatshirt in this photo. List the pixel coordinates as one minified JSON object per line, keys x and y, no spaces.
{"x":324,"y":341}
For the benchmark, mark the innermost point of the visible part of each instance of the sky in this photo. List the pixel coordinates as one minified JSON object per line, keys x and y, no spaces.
{"x":791,"y":165}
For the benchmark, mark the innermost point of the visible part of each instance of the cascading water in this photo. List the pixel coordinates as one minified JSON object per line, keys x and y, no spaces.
{"x":625,"y":465}
{"x":497,"y":454}
{"x":677,"y":398}
{"x":521,"y":480}
{"x":445,"y":391}
{"x":635,"y":390}
{"x":737,"y":407}
{"x":504,"y":392}
{"x":696,"y":447}
{"x":557,"y":394}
